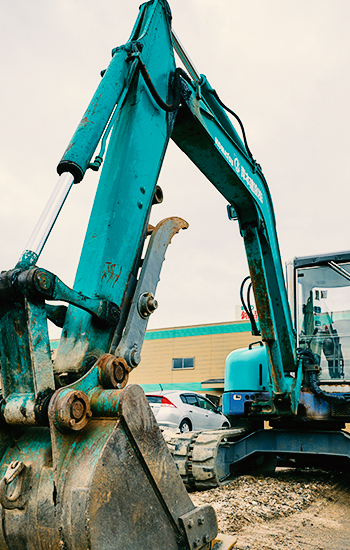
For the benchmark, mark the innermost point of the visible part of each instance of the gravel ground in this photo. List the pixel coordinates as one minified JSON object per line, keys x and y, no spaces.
{"x":294,"y":509}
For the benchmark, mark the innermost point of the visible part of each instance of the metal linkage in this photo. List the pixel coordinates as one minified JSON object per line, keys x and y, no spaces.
{"x":23,"y":293}
{"x":144,"y":302}
{"x":40,"y":282}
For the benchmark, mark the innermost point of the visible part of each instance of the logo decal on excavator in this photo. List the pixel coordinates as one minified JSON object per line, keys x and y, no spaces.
{"x":240,"y":171}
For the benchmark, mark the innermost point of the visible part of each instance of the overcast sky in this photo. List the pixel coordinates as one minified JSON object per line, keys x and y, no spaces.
{"x":282,"y":65}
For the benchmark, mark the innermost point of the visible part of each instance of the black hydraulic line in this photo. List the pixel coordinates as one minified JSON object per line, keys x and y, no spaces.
{"x":241,"y":295}
{"x":308,"y":358}
{"x":173,"y":106}
{"x":214,"y":93}
{"x":247,"y":309}
{"x":162,"y":104}
{"x":329,"y":397}
{"x":255,"y":329}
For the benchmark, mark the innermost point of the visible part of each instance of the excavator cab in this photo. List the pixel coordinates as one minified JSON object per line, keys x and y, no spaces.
{"x":319,"y":297}
{"x":320,"y":301}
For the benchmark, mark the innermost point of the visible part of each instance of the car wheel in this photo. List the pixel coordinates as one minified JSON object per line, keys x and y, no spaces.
{"x":225,"y":425}
{"x":185,"y":426}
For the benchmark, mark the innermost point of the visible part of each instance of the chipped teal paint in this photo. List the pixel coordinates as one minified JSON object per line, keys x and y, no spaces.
{"x":197,"y":331}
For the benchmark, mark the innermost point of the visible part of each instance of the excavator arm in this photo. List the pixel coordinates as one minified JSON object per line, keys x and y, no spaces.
{"x":204,"y":132}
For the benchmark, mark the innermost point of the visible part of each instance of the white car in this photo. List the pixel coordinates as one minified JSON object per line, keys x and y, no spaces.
{"x":185,"y":410}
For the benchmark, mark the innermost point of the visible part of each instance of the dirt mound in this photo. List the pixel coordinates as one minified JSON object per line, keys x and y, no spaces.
{"x":292,"y":510}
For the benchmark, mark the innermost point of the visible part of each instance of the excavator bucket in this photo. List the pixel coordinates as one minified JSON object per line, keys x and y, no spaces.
{"x":110,"y":486}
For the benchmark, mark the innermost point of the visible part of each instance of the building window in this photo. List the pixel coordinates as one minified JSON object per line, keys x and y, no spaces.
{"x":183,"y":363}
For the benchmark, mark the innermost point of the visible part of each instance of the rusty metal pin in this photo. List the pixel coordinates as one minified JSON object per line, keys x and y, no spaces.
{"x":72,"y":411}
{"x":42,"y":279}
{"x":113,"y":372}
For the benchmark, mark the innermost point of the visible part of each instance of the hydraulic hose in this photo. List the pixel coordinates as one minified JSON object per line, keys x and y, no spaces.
{"x":329,"y":397}
{"x":214,"y":93}
{"x":248,"y":309}
{"x":309,"y":359}
{"x":162,"y":104}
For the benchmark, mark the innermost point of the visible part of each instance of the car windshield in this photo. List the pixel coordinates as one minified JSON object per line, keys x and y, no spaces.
{"x":324,"y":317}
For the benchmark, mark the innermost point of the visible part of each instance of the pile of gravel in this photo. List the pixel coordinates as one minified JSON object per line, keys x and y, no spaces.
{"x":250,"y":499}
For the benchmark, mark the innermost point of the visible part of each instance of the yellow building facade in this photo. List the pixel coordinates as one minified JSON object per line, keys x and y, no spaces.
{"x":189,"y":358}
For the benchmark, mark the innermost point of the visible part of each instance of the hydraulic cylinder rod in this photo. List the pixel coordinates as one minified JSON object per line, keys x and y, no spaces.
{"x":47,"y":220}
{"x":183,"y":55}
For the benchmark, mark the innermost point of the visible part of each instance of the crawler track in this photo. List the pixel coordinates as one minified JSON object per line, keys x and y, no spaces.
{"x":200,"y":456}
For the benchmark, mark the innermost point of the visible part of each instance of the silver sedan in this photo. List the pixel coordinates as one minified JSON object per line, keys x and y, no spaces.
{"x":186,"y":411}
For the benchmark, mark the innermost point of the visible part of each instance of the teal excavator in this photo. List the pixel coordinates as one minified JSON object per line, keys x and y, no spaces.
{"x":82,"y":461}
